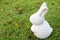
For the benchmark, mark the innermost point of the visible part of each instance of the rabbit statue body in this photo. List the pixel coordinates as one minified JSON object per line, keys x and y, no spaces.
{"x":40,"y":27}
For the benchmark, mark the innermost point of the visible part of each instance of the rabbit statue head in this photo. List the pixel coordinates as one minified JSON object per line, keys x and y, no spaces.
{"x":38,"y":17}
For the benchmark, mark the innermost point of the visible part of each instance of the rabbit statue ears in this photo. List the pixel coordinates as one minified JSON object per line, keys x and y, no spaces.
{"x":43,"y":9}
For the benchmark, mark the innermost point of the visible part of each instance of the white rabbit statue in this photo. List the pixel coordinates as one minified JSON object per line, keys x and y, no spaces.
{"x":40,"y":27}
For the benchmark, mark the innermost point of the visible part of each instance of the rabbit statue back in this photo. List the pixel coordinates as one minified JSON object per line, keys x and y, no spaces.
{"x":40,"y":27}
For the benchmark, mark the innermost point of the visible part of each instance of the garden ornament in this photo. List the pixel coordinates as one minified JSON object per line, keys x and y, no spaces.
{"x":40,"y":27}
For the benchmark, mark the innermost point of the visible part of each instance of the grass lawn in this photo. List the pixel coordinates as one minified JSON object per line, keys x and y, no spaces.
{"x":14,"y":19}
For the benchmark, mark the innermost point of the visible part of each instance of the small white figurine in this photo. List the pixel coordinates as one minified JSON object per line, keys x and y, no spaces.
{"x":40,"y":27}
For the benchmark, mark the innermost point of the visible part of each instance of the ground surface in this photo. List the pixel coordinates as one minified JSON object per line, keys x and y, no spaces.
{"x":14,"y":19}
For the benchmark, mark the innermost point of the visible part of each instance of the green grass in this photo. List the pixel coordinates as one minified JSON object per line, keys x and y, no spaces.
{"x":14,"y":19}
